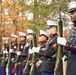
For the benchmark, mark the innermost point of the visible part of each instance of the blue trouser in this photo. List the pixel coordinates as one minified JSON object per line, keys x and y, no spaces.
{"x":0,"y":69}
{"x":9,"y":71}
{"x":22,"y":69}
{"x":47,"y":73}
{"x":19,"y":69}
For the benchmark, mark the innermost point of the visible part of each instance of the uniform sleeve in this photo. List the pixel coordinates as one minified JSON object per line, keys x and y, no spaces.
{"x":51,"y":48}
{"x":26,"y":51}
{"x":70,"y":47}
{"x":49,"y":52}
{"x":22,"y":54}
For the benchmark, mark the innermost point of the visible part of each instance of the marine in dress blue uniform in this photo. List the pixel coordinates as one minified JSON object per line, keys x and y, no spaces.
{"x":29,"y":39}
{"x":5,"y":53}
{"x":42,"y":40}
{"x":22,"y":57}
{"x":70,"y":45}
{"x":14,"y":45}
{"x":48,"y":60}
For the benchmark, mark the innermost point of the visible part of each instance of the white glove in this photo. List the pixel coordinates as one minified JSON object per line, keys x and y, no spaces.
{"x":64,"y":57}
{"x":12,"y":59}
{"x":39,"y":63}
{"x":27,"y":45}
{"x":11,"y":50}
{"x":5,"y":52}
{"x":36,"y":49}
{"x":18,"y":53}
{"x":31,"y":51}
{"x":61,"y":41}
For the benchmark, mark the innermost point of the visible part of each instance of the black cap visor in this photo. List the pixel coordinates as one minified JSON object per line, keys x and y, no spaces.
{"x":50,"y":26}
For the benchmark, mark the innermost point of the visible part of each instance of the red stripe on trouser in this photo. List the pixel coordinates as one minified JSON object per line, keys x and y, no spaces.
{"x":12,"y":67}
{"x":19,"y":69}
{"x":2,"y":70}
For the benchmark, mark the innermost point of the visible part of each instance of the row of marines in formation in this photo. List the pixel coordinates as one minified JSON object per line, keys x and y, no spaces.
{"x":17,"y":57}
{"x":14,"y":55}
{"x":31,"y":59}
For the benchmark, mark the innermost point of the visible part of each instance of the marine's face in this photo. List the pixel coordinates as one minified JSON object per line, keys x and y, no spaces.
{"x":6,"y":42}
{"x":14,"y":39}
{"x":49,"y":31}
{"x":73,"y":16}
{"x":22,"y":38}
{"x":42,"y":39}
{"x":29,"y":37}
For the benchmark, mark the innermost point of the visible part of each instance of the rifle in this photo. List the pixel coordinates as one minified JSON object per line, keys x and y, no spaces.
{"x":3,"y":60}
{"x":59,"y":63}
{"x":9,"y":57}
{"x":16,"y":62}
{"x":9,"y":61}
{"x":34,"y":56}
{"x":3,"y":63}
{"x":27,"y":66}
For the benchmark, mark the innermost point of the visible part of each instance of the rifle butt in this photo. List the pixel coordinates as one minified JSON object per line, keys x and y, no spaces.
{"x":15,"y":68}
{"x":59,"y":69}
